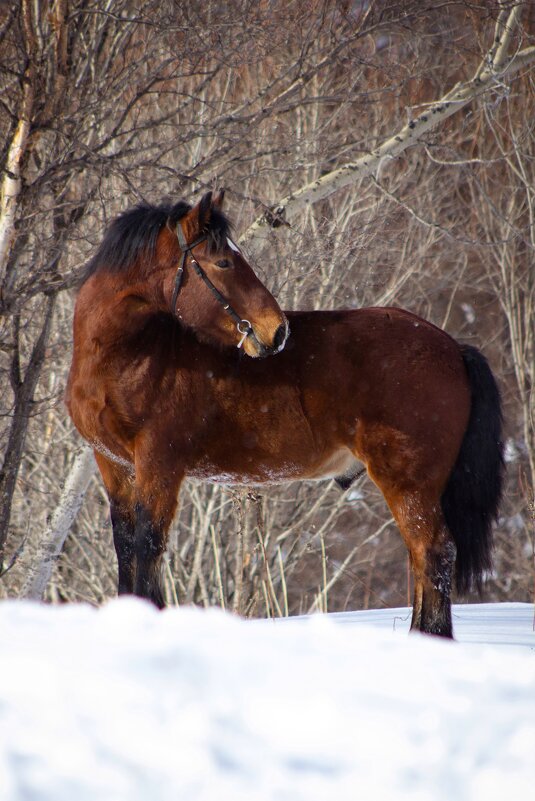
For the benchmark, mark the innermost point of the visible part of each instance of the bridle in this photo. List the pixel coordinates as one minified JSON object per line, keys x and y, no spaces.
{"x":244,"y":326}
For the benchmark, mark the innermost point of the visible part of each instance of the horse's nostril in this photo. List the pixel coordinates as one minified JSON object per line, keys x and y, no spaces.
{"x":280,"y":337}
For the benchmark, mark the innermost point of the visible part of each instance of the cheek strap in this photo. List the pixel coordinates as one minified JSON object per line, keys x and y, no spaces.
{"x":244,"y":326}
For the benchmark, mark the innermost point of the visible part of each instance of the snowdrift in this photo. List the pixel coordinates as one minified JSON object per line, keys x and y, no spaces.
{"x":128,"y":703}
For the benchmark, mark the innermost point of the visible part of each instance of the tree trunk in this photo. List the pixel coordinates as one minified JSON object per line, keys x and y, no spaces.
{"x":51,"y":544}
{"x":23,"y":389}
{"x":12,"y":180}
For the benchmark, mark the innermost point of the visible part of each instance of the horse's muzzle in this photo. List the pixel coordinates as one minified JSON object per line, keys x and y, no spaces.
{"x":279,"y":341}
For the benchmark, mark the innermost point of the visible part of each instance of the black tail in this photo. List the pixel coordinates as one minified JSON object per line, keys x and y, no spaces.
{"x":472,"y":495}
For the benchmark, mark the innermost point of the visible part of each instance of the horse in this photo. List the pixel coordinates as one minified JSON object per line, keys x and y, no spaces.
{"x":185,"y":366}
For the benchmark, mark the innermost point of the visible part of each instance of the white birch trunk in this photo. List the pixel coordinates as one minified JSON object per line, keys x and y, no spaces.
{"x":9,"y":194}
{"x":51,"y":543}
{"x":12,"y":180}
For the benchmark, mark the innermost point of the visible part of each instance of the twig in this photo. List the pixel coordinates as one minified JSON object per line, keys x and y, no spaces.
{"x":217,"y":568}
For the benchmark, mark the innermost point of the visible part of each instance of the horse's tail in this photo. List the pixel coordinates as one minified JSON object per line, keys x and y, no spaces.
{"x":472,"y":495}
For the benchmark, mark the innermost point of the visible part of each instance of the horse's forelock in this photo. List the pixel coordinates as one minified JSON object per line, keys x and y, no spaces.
{"x":219,"y":229}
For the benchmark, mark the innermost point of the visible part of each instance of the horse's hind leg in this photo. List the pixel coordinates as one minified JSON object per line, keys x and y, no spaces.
{"x":432,"y":554}
{"x":120,"y":489}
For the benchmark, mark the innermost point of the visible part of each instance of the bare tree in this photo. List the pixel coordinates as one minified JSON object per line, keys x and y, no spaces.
{"x":497,"y":64}
{"x":298,"y":108}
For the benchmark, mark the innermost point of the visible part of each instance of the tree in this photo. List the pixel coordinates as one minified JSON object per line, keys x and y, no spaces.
{"x":106,"y":104}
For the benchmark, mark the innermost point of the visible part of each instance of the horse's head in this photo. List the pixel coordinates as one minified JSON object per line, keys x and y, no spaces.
{"x":215,"y":291}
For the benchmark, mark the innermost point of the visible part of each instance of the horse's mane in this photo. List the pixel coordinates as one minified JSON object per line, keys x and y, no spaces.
{"x":134,"y":233}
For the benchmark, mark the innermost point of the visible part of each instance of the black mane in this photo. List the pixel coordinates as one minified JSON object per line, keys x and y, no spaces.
{"x":135,"y":232}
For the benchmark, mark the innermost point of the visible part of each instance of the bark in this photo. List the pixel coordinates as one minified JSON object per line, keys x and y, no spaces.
{"x":12,"y":180}
{"x":24,"y":389}
{"x":51,"y":544}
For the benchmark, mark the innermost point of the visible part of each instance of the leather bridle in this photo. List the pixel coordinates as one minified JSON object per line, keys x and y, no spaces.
{"x":244,"y":326}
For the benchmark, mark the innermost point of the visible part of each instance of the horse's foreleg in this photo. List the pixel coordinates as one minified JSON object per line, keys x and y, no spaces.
{"x":123,"y":524}
{"x":150,"y":545}
{"x":118,"y":483}
{"x":157,"y":492}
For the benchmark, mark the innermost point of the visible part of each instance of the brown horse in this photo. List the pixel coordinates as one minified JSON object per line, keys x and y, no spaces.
{"x":160,"y":388}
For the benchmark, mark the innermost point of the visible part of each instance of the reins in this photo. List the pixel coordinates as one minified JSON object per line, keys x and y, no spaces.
{"x":244,"y":326}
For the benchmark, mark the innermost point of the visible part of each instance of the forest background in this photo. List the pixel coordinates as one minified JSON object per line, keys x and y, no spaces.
{"x":373,"y":153}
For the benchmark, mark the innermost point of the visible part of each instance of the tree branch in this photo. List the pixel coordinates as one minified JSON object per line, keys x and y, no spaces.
{"x":497,"y":66}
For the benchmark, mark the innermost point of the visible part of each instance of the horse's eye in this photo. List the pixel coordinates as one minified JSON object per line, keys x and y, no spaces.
{"x":224,"y":263}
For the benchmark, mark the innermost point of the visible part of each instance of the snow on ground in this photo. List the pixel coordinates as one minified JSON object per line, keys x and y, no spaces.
{"x":128,"y":703}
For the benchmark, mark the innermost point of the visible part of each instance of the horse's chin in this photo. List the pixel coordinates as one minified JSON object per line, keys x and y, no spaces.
{"x":251,"y":346}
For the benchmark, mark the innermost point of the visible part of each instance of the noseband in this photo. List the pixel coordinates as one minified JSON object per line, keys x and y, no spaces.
{"x":244,"y":326}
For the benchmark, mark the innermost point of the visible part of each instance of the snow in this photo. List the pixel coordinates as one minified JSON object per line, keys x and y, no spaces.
{"x":125,"y":702}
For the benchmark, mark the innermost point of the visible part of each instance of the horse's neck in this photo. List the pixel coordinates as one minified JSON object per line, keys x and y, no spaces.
{"x":112,"y":313}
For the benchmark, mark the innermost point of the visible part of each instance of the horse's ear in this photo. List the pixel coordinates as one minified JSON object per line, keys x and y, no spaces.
{"x":198,"y":219}
{"x":205,"y":208}
{"x":219,"y":197}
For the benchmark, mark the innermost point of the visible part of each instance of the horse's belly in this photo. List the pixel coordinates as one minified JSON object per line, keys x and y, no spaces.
{"x":259,"y":471}
{"x":254,"y":477}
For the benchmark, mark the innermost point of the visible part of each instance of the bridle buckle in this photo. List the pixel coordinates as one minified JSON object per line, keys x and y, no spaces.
{"x":245,"y":333}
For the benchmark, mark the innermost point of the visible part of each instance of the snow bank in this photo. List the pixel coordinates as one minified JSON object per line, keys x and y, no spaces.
{"x":128,"y":703}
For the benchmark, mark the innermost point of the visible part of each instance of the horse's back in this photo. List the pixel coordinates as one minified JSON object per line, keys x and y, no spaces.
{"x":379,"y":355}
